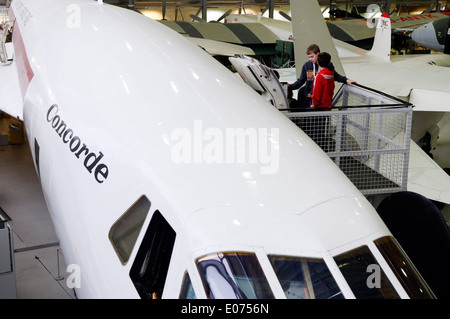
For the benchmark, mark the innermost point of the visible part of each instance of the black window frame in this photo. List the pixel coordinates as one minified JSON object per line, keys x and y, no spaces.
{"x":353,"y":265}
{"x":151,"y":265}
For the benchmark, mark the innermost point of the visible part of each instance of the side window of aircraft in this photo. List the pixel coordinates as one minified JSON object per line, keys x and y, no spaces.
{"x":364,"y":276}
{"x":187,"y":292}
{"x":125,"y":231}
{"x":36,"y":156}
{"x":305,"y":278}
{"x":149,"y":270}
{"x":403,"y":269}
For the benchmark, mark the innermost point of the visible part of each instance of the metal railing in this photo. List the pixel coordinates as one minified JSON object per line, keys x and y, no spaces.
{"x":366,"y":133}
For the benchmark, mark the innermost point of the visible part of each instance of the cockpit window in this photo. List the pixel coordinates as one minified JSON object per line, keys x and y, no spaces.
{"x":187,"y":291}
{"x":125,"y":231}
{"x":305,"y":278}
{"x":402,"y":267}
{"x":233,"y":275}
{"x":364,"y":276}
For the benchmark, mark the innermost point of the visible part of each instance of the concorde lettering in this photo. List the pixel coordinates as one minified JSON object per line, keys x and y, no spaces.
{"x":68,"y":136}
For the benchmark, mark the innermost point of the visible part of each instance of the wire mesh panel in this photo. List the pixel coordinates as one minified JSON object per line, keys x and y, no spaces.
{"x":366,"y":133}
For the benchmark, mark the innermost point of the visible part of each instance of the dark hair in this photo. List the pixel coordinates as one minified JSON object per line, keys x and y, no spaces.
{"x":323,"y":59}
{"x":313,"y":48}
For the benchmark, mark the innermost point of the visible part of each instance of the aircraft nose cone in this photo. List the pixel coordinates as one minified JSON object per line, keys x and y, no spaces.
{"x":426,"y":36}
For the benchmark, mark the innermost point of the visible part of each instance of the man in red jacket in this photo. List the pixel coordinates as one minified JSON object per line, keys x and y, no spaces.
{"x":322,"y":96}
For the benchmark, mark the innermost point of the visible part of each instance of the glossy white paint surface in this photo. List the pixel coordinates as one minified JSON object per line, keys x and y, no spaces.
{"x":129,"y":87}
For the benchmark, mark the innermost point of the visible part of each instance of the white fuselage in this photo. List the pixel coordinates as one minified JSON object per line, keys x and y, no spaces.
{"x":118,"y":106}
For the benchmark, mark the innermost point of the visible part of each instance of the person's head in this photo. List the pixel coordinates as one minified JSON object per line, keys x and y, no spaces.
{"x":312,"y":52}
{"x":323,"y":59}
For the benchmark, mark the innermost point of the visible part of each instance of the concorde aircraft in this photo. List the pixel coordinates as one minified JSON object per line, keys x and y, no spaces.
{"x":132,"y":130}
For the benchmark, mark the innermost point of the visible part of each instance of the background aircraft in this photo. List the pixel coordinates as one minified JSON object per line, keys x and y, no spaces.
{"x":271,"y":40}
{"x":434,"y":35}
{"x":127,"y":142}
{"x":250,"y":36}
{"x":358,"y":32}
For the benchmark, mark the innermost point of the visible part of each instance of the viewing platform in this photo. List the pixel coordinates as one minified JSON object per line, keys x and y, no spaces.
{"x":366,"y":133}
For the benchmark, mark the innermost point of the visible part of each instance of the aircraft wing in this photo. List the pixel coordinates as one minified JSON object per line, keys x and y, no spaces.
{"x":221,"y":48}
{"x":415,"y":21}
{"x":426,"y":177}
{"x":350,"y":30}
{"x":10,"y":95}
{"x":344,"y":30}
{"x":430,"y":100}
{"x":236,"y":33}
{"x":282,"y":29}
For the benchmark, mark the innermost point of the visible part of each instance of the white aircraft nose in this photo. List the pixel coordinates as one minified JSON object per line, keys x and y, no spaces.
{"x":426,"y":36}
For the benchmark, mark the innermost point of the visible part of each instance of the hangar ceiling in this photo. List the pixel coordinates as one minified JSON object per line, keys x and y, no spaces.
{"x":268,"y":3}
{"x":212,"y":9}
{"x":200,"y":7}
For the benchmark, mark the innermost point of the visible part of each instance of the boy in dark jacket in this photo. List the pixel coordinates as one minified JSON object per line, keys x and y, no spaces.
{"x":308,"y":74}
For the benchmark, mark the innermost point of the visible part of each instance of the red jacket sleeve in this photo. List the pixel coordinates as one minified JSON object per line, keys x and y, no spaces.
{"x":317,"y":90}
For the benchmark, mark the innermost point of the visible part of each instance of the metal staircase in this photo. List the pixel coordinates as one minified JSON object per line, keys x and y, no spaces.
{"x":366,"y":133}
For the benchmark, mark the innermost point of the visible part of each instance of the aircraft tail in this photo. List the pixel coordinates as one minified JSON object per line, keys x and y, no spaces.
{"x":308,"y":27}
{"x":382,"y":43}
